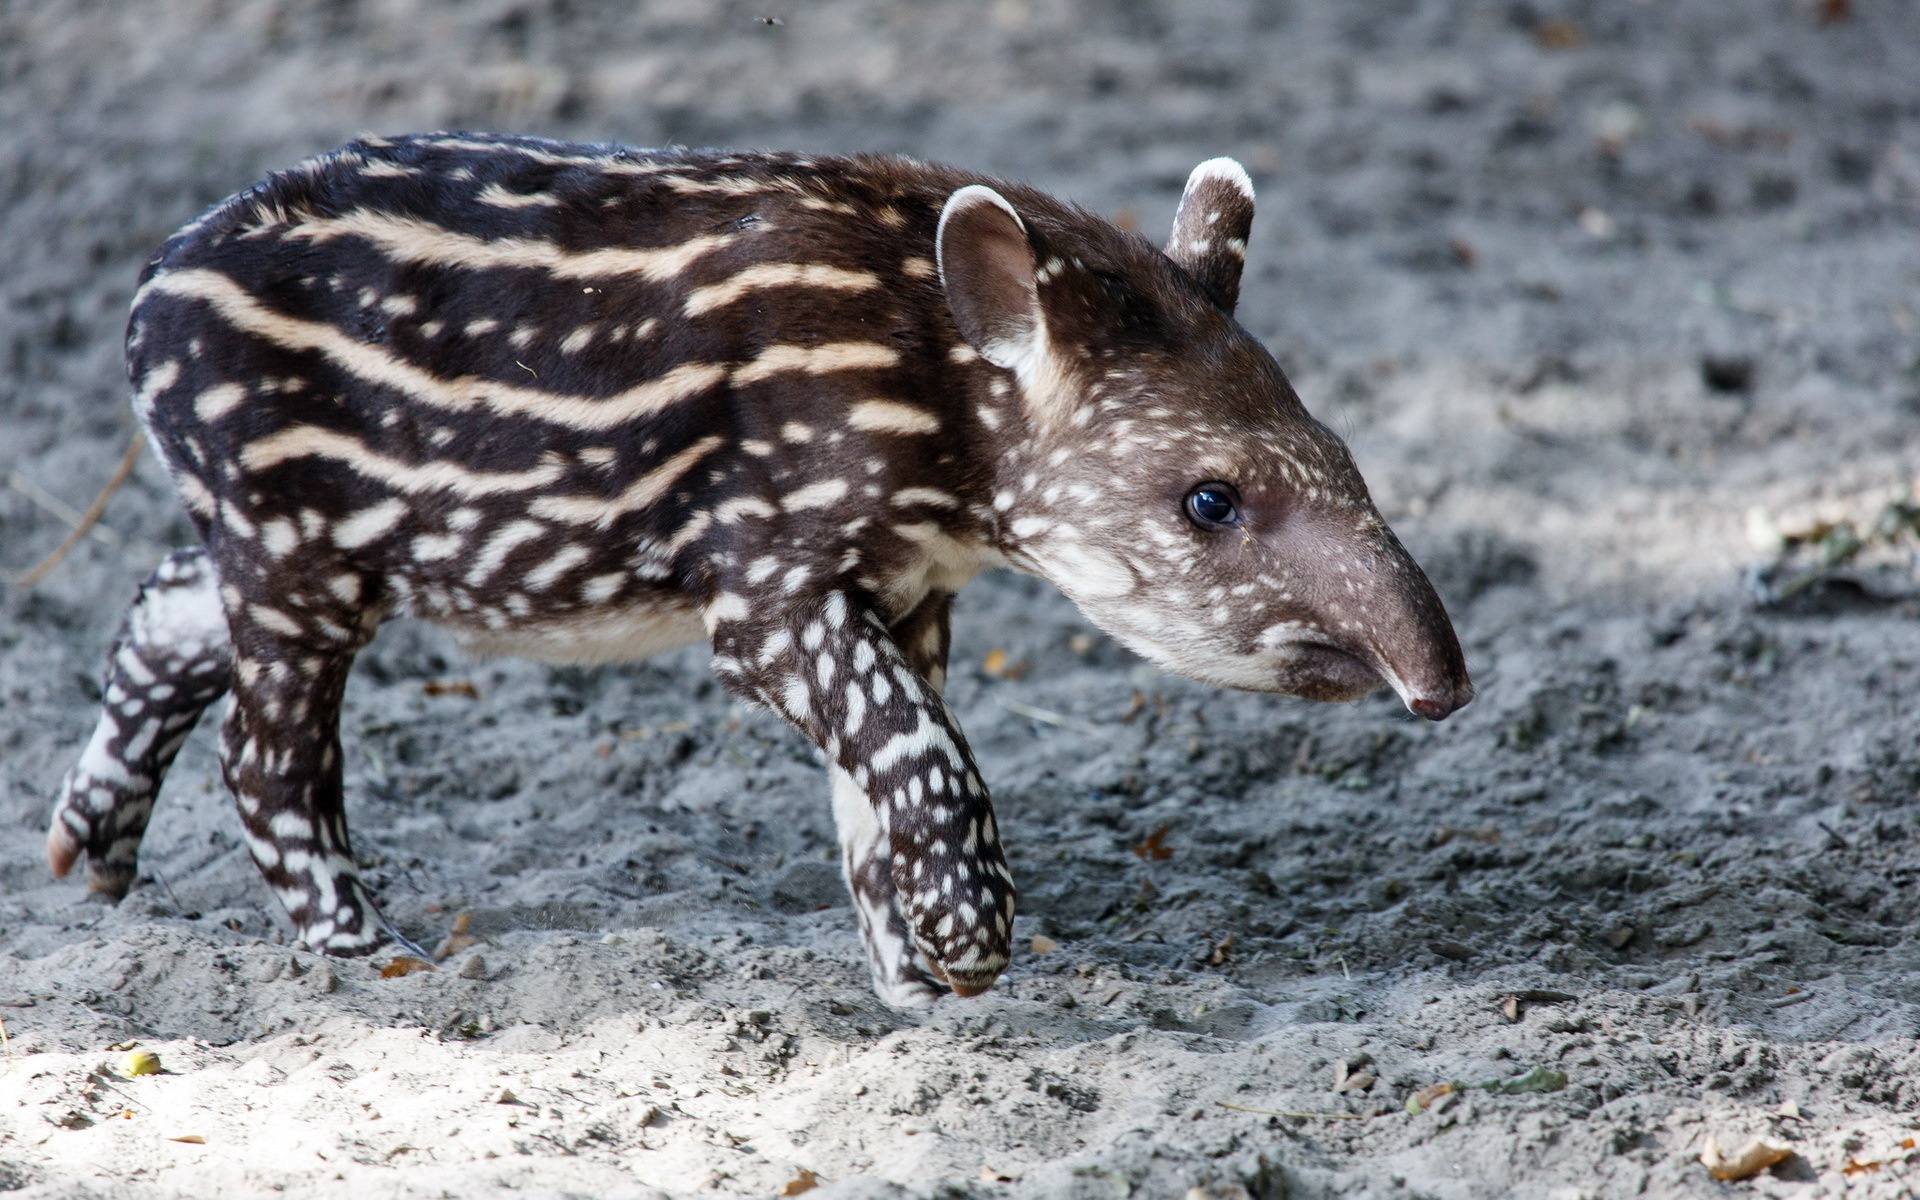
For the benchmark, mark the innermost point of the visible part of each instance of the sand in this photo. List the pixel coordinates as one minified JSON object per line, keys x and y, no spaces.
{"x":1584,"y":284}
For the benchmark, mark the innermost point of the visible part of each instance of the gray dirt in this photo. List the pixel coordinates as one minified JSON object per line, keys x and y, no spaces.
{"x":1583,"y":282}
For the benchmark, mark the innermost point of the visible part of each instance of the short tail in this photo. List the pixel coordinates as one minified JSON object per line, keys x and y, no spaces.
{"x":173,"y":658}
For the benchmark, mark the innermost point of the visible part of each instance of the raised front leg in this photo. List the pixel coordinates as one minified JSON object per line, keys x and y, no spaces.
{"x":922,"y":851}
{"x":171,"y":660}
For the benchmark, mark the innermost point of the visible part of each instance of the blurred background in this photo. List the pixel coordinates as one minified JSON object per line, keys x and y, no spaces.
{"x":1634,"y":266}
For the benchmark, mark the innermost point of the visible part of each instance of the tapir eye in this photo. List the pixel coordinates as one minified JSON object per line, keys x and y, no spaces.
{"x":1213,"y":506}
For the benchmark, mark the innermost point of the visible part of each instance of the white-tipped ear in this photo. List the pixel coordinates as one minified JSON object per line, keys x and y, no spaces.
{"x":986,"y":268}
{"x":1210,"y":229}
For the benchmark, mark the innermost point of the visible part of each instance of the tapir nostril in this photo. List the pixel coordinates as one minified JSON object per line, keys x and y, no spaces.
{"x":1432,"y":710}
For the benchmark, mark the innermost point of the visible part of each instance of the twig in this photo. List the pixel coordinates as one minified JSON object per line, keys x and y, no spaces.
{"x":1268,"y":1112}
{"x":1048,"y":716}
{"x":167,"y":888}
{"x":85,"y":522}
{"x":7,"y":1044}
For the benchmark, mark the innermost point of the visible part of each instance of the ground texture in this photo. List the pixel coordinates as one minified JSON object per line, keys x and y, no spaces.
{"x":1585,"y":284}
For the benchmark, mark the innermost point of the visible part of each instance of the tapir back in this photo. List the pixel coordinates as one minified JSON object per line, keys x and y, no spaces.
{"x":506,"y":381}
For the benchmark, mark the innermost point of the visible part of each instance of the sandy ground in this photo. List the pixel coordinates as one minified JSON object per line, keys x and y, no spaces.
{"x":1503,"y":246}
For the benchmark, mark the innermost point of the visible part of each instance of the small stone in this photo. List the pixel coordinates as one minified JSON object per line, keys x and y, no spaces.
{"x":474,"y":968}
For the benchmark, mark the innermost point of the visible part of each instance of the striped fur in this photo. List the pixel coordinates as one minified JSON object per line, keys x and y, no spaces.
{"x":587,"y":402}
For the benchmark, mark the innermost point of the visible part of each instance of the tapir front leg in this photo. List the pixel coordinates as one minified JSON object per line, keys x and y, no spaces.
{"x":912,"y":811}
{"x":280,"y":751}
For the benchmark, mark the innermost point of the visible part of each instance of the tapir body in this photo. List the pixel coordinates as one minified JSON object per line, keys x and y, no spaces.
{"x":586,"y":403}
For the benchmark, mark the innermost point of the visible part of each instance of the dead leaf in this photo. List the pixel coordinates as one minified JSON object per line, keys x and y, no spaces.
{"x":1558,"y":35}
{"x":1154,"y":849}
{"x":999,"y":665}
{"x":802,"y":1181}
{"x":451,"y":687}
{"x":1488,"y":835}
{"x":1042,"y":944}
{"x":1135,"y":707}
{"x":191,"y":1139}
{"x":1352,"y":1076}
{"x":459,"y":939}
{"x":1221,"y":949}
{"x":1510,"y":1009}
{"x":1423,"y":1099}
{"x":405,"y":964}
{"x":989,"y":1175}
{"x":1855,"y":1168}
{"x":1755,"y":1157}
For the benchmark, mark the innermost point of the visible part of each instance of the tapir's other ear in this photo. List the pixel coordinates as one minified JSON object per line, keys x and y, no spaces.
{"x":986,"y":267}
{"x":1210,"y":230}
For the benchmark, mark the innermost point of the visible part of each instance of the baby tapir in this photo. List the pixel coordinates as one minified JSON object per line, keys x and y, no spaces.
{"x":584,"y":403}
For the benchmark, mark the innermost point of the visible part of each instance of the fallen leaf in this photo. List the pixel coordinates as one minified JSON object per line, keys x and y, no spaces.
{"x":1135,"y":706}
{"x":1042,"y":944}
{"x":1539,"y":1079}
{"x":405,"y":964}
{"x":192,"y":1139}
{"x":1488,"y":835}
{"x":1558,"y":35}
{"x":457,"y":940}
{"x":1000,"y":665}
{"x":1756,"y":1156}
{"x":1154,"y":849}
{"x":802,"y":1181}
{"x":1359,"y":1081}
{"x":451,"y":687}
{"x":989,"y":1175}
{"x":140,"y":1062}
{"x":1221,"y":949}
{"x":1855,"y":1168}
{"x":1510,"y":1009}
{"x":1423,"y":1099}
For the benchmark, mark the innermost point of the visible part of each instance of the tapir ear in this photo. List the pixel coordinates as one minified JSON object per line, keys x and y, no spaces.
{"x":986,"y":267}
{"x":1210,"y":230}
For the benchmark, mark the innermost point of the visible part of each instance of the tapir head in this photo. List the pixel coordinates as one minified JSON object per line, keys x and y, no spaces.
{"x":1164,"y":474}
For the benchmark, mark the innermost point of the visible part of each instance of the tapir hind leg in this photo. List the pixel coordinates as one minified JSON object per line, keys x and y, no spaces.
{"x":171,"y":661}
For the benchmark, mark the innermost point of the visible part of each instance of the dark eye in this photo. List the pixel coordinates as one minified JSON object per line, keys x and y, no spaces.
{"x":1213,"y":506}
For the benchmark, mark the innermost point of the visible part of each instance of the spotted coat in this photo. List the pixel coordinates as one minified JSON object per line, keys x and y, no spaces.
{"x":585,"y":403}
